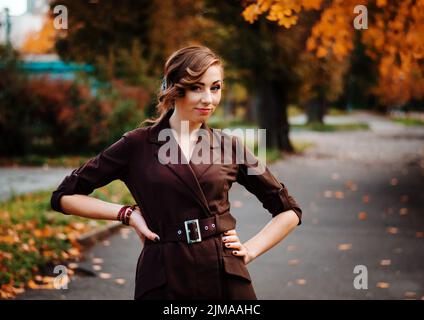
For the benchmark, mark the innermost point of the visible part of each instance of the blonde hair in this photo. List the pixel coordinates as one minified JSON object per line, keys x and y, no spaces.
{"x":182,"y":69}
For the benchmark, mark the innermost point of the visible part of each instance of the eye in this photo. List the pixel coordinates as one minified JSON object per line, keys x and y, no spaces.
{"x":216,"y":88}
{"x":195,"y":88}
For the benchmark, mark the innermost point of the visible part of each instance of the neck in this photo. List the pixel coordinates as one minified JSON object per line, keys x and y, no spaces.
{"x":175,"y":123}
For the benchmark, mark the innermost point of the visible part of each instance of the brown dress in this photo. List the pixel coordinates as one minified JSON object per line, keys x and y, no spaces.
{"x":171,"y":194}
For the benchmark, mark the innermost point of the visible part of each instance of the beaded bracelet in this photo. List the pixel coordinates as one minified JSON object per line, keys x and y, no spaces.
{"x":124,"y":214}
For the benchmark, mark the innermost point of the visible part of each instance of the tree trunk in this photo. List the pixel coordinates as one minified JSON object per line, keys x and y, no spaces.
{"x":252,"y":108}
{"x":272,"y":116}
{"x":316,"y":109}
{"x":314,"y":112}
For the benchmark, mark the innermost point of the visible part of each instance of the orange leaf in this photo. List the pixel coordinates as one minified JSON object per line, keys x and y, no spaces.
{"x":345,"y":246}
{"x":362,"y":215}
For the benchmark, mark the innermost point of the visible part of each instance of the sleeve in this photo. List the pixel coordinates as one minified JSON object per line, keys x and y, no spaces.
{"x":258,"y":180}
{"x":110,"y":164}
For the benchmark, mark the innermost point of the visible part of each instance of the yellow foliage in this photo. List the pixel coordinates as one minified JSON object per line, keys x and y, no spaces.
{"x":42,"y":41}
{"x":393,"y":39}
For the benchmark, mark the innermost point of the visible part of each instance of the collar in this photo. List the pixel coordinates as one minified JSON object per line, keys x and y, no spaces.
{"x":163,"y":123}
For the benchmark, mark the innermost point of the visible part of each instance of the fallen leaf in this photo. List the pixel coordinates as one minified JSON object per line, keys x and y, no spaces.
{"x":410,"y":294}
{"x":362,"y":215}
{"x":291,"y":248}
{"x":385,"y":262}
{"x":366,"y":199}
{"x":293,"y":262}
{"x":97,"y":267}
{"x":403,"y":211}
{"x":404,"y":198}
{"x":345,"y":246}
{"x":104,"y":275}
{"x":301,"y":282}
{"x":328,"y":194}
{"x":120,"y":281}
{"x":392,"y":230}
{"x":97,"y":260}
{"x":73,"y":265}
{"x":394,"y":181}
{"x":419,"y":234}
{"x":339,"y":194}
{"x":237,"y":204}
{"x":383,"y":285}
{"x":32,"y":285}
{"x":106,"y":243}
{"x":351,"y":185}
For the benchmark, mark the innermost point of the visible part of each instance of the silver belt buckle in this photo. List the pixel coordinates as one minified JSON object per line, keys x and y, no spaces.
{"x":188,"y":231}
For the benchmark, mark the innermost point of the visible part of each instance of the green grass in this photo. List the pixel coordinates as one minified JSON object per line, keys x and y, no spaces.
{"x":40,"y":160}
{"x":410,"y":122}
{"x":332,"y":128}
{"x":32,"y":235}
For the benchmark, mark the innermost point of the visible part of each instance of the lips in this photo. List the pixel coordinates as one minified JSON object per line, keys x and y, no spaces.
{"x":203,"y":110}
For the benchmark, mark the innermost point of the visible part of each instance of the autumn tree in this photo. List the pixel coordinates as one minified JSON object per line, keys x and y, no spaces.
{"x":393,"y":38}
{"x":42,"y":41}
{"x":266,"y":58}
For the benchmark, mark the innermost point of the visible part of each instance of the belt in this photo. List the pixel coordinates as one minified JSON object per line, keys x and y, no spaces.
{"x":195,"y":230}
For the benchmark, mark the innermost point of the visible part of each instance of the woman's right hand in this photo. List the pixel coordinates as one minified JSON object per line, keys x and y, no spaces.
{"x":139,"y":224}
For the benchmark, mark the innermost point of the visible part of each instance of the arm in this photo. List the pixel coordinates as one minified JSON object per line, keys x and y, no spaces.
{"x":275,"y":231}
{"x":89,"y":207}
{"x":274,"y":197}
{"x":71,"y":197}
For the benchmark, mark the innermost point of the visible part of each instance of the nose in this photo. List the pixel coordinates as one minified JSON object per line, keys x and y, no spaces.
{"x":207,"y":97}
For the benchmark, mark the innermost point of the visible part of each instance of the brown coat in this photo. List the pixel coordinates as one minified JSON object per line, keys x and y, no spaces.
{"x":168,"y":195}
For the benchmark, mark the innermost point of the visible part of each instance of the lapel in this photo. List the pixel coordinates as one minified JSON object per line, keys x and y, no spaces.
{"x":187,"y":173}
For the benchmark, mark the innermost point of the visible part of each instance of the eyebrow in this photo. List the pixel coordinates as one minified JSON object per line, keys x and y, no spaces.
{"x":201,"y":83}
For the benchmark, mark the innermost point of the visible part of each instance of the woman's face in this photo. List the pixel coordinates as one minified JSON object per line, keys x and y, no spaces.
{"x":201,"y":99}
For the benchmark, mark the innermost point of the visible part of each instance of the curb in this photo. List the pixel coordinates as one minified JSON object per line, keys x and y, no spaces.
{"x":91,"y":237}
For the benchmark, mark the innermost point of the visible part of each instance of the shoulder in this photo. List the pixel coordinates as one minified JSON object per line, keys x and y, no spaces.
{"x":138,"y":134}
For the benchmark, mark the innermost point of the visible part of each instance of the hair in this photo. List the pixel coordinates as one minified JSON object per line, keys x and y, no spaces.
{"x":182,"y":69}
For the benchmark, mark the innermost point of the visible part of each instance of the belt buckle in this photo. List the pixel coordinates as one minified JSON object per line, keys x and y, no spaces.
{"x":188,"y":231}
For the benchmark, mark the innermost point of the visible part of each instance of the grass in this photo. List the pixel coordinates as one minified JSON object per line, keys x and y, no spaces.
{"x":410,"y":122}
{"x":331,"y":127}
{"x":40,"y":160}
{"x":32,"y":235}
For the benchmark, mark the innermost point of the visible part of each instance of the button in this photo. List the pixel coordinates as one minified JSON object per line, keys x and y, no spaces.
{"x":179,"y":231}
{"x":213,"y":225}
{"x":206,"y":227}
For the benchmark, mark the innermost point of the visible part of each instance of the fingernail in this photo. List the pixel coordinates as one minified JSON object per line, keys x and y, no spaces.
{"x":235,"y":252}
{"x":157,"y":239}
{"x":224,"y":239}
{"x":227,"y":244}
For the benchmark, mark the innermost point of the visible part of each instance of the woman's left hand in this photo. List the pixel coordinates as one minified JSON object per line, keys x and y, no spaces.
{"x":232,"y":241}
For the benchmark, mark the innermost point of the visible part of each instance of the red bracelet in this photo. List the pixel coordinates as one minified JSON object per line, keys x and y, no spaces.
{"x":121,"y":212}
{"x":124,"y":214}
{"x":128,"y":214}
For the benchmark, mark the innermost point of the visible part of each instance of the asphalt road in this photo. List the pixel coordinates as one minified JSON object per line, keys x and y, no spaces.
{"x":362,"y":197}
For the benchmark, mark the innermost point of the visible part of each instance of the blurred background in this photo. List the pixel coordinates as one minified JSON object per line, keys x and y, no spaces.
{"x":338,"y":85}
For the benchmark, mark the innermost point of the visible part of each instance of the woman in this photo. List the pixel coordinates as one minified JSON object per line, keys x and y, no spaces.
{"x":190,"y":246}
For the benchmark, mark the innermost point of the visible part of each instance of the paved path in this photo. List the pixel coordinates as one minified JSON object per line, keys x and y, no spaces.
{"x":362,"y":195}
{"x":28,"y":179}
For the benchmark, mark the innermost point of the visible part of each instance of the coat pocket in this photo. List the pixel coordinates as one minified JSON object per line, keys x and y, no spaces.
{"x":235,"y":266}
{"x":150,"y":271}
